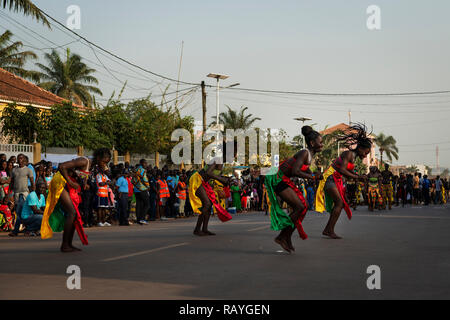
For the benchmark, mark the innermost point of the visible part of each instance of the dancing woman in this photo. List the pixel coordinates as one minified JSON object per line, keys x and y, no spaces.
{"x":61,"y":210}
{"x":202,"y":196}
{"x":279,"y":184}
{"x":330,"y":193}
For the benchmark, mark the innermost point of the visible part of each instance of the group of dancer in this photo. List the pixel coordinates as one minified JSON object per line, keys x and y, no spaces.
{"x":62,"y":214}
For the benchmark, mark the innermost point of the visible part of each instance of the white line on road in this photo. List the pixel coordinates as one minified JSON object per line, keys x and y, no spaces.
{"x":145,"y":252}
{"x":259,"y":228}
{"x":408,"y":217}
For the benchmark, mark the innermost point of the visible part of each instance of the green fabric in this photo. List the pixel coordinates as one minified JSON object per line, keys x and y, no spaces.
{"x":236,"y":197}
{"x":278,"y":218}
{"x":329,"y":203}
{"x":57,"y":219}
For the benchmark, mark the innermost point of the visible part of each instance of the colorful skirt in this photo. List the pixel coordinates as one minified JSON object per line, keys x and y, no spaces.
{"x":278,"y":217}
{"x":323,"y":200}
{"x":195,"y":182}
{"x":54,"y":216}
{"x":374,"y":194}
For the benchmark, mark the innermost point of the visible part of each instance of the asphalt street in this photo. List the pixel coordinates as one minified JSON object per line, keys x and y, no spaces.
{"x":164,"y":260}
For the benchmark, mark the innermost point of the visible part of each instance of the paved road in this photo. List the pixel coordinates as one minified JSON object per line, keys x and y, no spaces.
{"x":165,"y":261}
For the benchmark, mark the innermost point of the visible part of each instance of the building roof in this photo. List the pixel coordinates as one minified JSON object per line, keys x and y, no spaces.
{"x":340,"y":127}
{"x":16,"y":89}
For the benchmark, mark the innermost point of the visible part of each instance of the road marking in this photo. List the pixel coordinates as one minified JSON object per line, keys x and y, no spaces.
{"x":145,"y":252}
{"x":411,"y":217}
{"x":259,"y":228}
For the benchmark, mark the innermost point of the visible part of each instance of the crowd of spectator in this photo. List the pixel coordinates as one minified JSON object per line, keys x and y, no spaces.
{"x":139,"y":194}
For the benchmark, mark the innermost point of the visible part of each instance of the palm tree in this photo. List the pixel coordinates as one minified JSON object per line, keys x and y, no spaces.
{"x":13,"y":60}
{"x":69,"y":79}
{"x":236,"y":120}
{"x":412,"y":169}
{"x":386,"y":144}
{"x":27,"y":7}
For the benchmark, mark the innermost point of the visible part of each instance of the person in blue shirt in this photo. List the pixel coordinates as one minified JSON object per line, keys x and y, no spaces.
{"x":122,"y":186}
{"x":33,"y":210}
{"x":426,"y":189}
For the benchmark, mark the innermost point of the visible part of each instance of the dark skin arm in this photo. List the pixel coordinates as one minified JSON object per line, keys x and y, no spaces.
{"x":302,"y":159}
{"x":210,"y":174}
{"x":347,"y":157}
{"x":36,"y":210}
{"x":72,"y":165}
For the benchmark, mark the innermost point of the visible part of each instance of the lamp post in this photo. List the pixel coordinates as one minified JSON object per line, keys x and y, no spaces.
{"x":302,"y":119}
{"x":219,"y":77}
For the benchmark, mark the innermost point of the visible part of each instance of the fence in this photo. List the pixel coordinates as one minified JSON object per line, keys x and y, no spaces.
{"x":15,"y":149}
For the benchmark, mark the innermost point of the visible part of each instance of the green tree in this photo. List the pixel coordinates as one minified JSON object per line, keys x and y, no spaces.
{"x":62,"y":127}
{"x":12,"y":59}
{"x":412,"y":169}
{"x":28,"y":9}
{"x":236,"y":120}
{"x":70,"y":79}
{"x":14,"y":120}
{"x":386,"y":144}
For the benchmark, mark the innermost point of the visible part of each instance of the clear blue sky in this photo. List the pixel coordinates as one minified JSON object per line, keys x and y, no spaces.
{"x":316,"y":46}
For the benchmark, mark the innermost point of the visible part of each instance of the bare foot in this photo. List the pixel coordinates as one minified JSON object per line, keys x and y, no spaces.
{"x":199,"y":233}
{"x":75,"y":248}
{"x":209,"y":233}
{"x":66,"y":249}
{"x":283,"y":243}
{"x":332,"y":235}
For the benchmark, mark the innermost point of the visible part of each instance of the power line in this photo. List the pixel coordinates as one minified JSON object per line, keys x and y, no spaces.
{"x":112,"y":54}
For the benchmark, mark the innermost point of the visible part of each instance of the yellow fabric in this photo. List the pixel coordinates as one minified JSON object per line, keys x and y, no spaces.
{"x":320,"y":194}
{"x":55,"y":189}
{"x":218,"y":188}
{"x":194,"y":183}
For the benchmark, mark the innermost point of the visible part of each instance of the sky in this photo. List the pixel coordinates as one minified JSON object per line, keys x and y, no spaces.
{"x":303,"y":46}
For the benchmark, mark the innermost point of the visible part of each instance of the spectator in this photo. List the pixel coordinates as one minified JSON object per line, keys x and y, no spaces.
{"x":163,"y":196}
{"x":152,"y":192}
{"x":438,"y":188}
{"x":33,"y":210}
{"x":141,"y":185}
{"x":102,"y":202}
{"x":5,"y":179}
{"x":426,"y":189}
{"x":19,"y":185}
{"x":122,"y":187}
{"x":181,"y":194}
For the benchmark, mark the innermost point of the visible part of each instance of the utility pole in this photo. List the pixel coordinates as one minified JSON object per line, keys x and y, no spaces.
{"x":204,"y":106}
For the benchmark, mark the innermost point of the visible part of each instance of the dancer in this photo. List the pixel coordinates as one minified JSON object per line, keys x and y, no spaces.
{"x":373,"y":192}
{"x":330,"y":193}
{"x":279,"y":184}
{"x":61,"y":210}
{"x":387,"y":180}
{"x":202,"y":196}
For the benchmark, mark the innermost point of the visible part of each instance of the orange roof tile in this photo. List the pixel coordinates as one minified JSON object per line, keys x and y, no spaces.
{"x":15,"y":89}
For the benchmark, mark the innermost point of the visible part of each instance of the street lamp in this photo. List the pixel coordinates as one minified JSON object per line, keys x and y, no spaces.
{"x":302,"y":119}
{"x":217,"y":77}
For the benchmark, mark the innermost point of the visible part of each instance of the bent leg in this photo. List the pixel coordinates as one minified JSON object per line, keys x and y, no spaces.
{"x":335,"y":213}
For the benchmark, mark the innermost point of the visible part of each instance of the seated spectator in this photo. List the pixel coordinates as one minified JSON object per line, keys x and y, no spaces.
{"x":33,"y":210}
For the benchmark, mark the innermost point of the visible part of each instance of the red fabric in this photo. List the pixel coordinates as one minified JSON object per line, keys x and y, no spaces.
{"x":340,"y":186}
{"x":130,"y":187}
{"x":298,"y":223}
{"x":244,"y":202}
{"x":227,"y":191}
{"x":350,"y":166}
{"x":76,"y":200}
{"x":221,"y":212}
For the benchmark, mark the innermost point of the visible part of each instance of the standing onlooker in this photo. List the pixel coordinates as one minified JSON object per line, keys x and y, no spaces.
{"x":5,"y":179}
{"x":29,"y":165}
{"x":163,"y":196}
{"x":426,"y":189}
{"x":141,"y":185}
{"x":181,"y":194}
{"x":19,"y":186}
{"x":152,"y":192}
{"x":122,"y":186}
{"x":102,"y":200}
{"x":438,"y":188}
{"x":416,"y":182}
